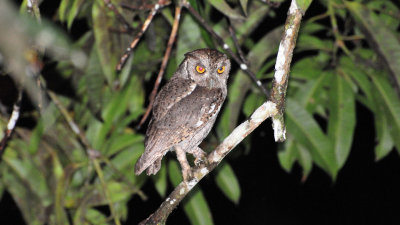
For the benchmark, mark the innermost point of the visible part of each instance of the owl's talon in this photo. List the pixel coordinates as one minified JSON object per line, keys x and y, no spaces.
{"x":199,"y":155}
{"x":187,"y":174}
{"x":199,"y":160}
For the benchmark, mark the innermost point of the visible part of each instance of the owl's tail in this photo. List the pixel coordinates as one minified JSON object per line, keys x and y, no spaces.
{"x":151,"y":169}
{"x":154,"y":151}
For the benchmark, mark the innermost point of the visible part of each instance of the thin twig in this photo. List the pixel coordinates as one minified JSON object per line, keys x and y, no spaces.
{"x":236,"y":43}
{"x":134,"y":8}
{"x":33,"y":7}
{"x":272,"y":3}
{"x":164,"y":63}
{"x":121,"y":19}
{"x":119,"y":31}
{"x":11,"y":123}
{"x":145,"y":25}
{"x":221,"y":42}
{"x":335,"y":29}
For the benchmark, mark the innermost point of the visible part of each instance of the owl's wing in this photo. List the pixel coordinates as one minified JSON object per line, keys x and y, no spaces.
{"x":174,"y":91}
{"x":193,"y":111}
{"x":180,"y":121}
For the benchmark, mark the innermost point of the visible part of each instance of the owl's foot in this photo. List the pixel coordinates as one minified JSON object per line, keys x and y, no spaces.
{"x":186,"y":170}
{"x":199,"y":154}
{"x":187,"y":174}
{"x":199,"y":160}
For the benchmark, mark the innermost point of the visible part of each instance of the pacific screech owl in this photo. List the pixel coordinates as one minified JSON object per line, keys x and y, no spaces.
{"x":185,"y":110}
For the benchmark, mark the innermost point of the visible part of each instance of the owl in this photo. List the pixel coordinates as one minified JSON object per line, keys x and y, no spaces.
{"x":185,"y":110}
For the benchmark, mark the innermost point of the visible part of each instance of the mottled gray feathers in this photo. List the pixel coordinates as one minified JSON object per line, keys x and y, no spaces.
{"x":185,"y":109}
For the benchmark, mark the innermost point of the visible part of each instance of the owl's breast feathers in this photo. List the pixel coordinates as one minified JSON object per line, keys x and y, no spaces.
{"x":176,"y":119}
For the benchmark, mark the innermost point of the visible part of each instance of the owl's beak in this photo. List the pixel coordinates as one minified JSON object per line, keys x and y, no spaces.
{"x":212,"y":83}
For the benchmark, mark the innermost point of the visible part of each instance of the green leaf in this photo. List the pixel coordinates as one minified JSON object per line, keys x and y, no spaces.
{"x":32,"y":210}
{"x":287,"y":154}
{"x":243,"y":4}
{"x":384,"y":7}
{"x":120,"y":141}
{"x":390,"y":105}
{"x":112,"y":113}
{"x":136,"y":98}
{"x":305,"y":159}
{"x":361,"y":79}
{"x":109,"y":52}
{"x":303,"y":5}
{"x":174,"y":172}
{"x":309,"y":68}
{"x":119,"y":191}
{"x":310,"y":42}
{"x":94,"y":83}
{"x":95,"y":217}
{"x":189,"y":37}
{"x":231,"y":111}
{"x":32,"y":177}
{"x":385,"y":141}
{"x":125,"y":159}
{"x":36,"y":138}
{"x":225,"y":9}
{"x":237,"y":90}
{"x":73,"y":12}
{"x":383,"y":40}
{"x":196,"y":208}
{"x":306,"y":131}
{"x":195,"y":204}
{"x":254,"y":18}
{"x":311,"y":27}
{"x":160,"y":181}
{"x":309,"y":95}
{"x":227,"y":182}
{"x":64,"y":7}
{"x":342,"y":118}
{"x":263,"y":49}
{"x":252,"y":102}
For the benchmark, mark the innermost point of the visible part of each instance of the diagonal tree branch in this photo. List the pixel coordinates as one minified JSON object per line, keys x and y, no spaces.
{"x":265,"y":111}
{"x":273,"y":108}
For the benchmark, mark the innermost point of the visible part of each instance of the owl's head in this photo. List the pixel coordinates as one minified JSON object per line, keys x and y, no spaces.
{"x":207,"y":67}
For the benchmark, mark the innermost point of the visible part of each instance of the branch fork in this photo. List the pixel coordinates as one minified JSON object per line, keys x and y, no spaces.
{"x":273,"y":108}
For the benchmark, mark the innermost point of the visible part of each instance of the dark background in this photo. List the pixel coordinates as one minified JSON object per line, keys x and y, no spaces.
{"x":365,"y":192}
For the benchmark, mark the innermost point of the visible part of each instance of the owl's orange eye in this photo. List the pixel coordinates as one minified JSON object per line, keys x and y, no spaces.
{"x":221,"y":69}
{"x":200,"y":69}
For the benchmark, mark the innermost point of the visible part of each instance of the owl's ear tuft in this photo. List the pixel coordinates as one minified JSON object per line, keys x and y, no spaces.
{"x":189,"y":54}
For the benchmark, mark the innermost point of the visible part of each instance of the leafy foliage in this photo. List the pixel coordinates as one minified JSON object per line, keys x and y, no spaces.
{"x":334,"y":69}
